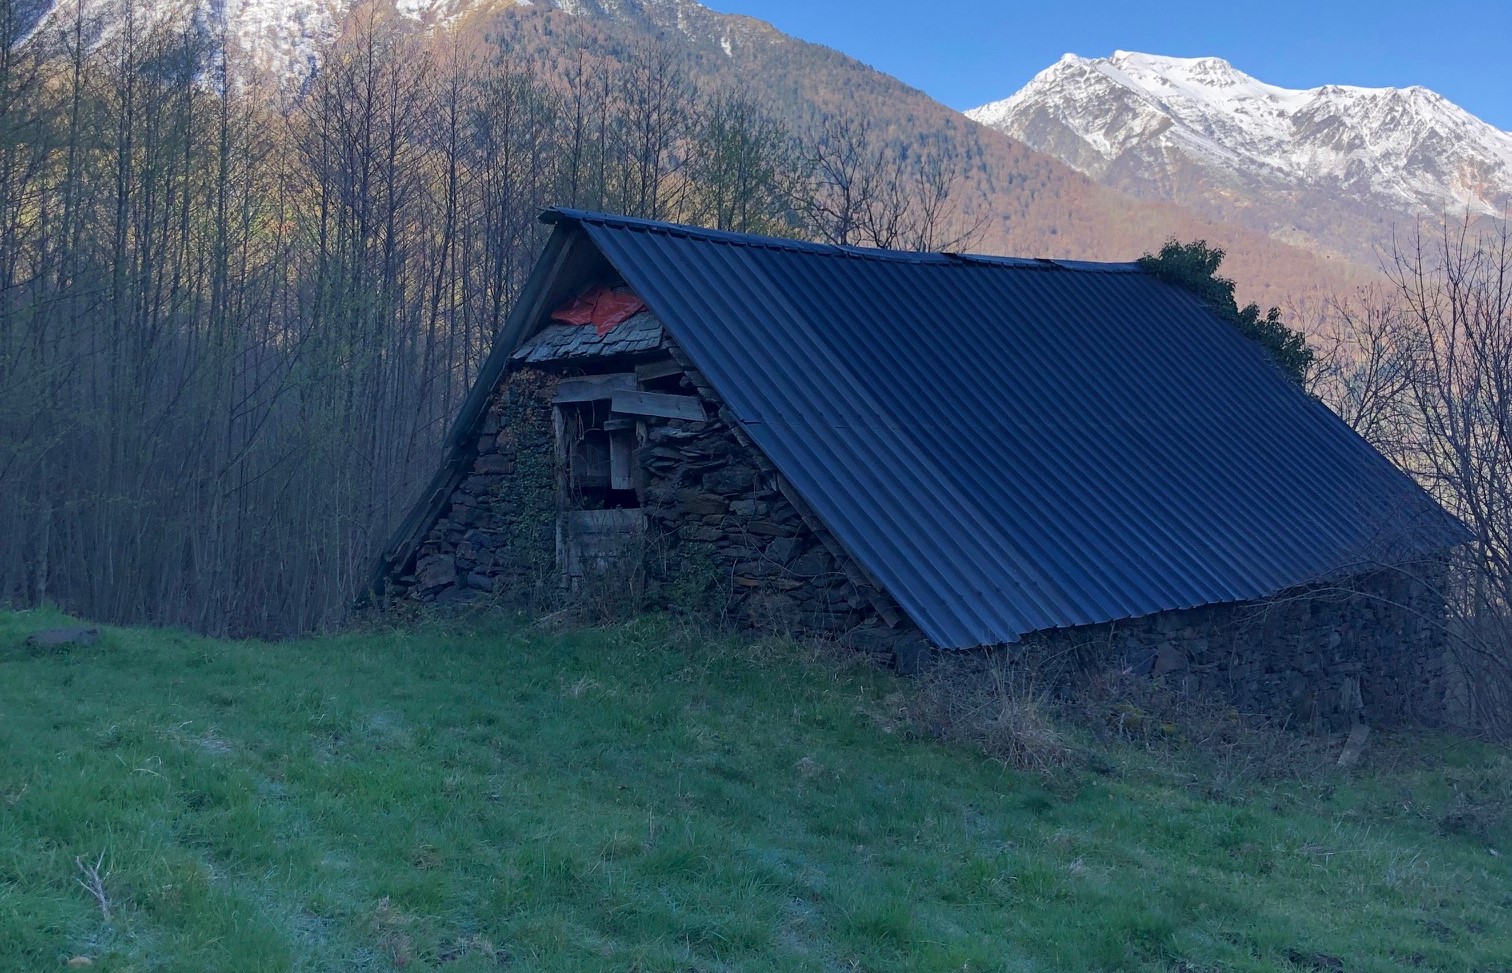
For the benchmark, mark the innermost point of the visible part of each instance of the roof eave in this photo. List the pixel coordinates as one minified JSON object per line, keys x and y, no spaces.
{"x":544,"y":283}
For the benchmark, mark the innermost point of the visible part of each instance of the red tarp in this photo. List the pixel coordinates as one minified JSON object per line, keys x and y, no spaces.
{"x":600,"y":307}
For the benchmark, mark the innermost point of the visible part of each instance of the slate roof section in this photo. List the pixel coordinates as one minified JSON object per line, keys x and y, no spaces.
{"x":560,"y":342}
{"x":1016,"y":445}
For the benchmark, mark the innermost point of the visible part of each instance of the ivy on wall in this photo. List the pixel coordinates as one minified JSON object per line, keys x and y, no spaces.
{"x":525,"y":500}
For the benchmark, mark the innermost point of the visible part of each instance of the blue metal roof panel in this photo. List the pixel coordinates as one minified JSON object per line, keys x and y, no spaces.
{"x":1009,"y":446}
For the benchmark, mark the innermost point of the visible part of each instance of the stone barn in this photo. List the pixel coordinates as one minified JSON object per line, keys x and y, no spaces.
{"x":919,"y":453}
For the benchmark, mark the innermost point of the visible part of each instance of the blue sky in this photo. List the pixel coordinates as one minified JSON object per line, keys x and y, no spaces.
{"x":966,"y":52}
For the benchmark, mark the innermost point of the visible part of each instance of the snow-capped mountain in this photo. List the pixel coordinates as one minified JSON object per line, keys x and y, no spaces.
{"x":274,"y":39}
{"x":282,"y":40}
{"x":1314,"y":164}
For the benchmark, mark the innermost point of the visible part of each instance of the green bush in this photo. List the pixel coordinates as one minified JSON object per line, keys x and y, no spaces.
{"x":1194,"y":266}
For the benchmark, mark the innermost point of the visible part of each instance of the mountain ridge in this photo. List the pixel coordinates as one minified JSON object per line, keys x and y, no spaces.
{"x":1335,"y":166}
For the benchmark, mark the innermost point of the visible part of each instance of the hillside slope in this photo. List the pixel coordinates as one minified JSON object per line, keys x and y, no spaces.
{"x":637,"y":797}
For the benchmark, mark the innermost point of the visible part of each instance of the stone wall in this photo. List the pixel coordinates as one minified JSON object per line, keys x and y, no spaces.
{"x":496,"y":536}
{"x":722,"y":539}
{"x":1370,"y":649}
{"x":725,"y":539}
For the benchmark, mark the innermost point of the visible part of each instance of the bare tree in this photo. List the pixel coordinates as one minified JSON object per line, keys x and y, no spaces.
{"x":1423,"y":370}
{"x":232,"y":338}
{"x":655,"y":102}
{"x":517,"y":165}
{"x":741,"y":167}
{"x":862,"y":189}
{"x":1364,"y":369}
{"x":846,"y":171}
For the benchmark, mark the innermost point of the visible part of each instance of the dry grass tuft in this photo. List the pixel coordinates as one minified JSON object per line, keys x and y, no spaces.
{"x":1482,"y":807}
{"x":994,"y":704}
{"x":1024,"y":710}
{"x":1163,"y":718}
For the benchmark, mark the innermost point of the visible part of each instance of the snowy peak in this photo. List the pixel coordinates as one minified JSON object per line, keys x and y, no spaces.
{"x":279,"y":43}
{"x":1195,"y":74}
{"x":1198,"y":130}
{"x":282,"y":40}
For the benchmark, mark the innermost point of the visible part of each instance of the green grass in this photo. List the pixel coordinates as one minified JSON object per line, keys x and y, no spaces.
{"x":637,"y":798}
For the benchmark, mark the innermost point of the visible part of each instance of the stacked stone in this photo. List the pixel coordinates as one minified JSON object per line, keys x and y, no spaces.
{"x":706,"y":495}
{"x":496,"y":537}
{"x":706,"y":498}
{"x":1370,"y":649}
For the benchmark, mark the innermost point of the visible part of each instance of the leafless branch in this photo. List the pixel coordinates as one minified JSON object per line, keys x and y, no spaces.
{"x":93,"y":882}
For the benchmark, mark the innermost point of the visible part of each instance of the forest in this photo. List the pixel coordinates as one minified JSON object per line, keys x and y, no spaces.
{"x":234,"y":327}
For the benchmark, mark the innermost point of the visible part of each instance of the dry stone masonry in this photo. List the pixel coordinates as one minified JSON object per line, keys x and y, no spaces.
{"x":497,"y":536}
{"x":728,"y":535}
{"x":1370,"y":649}
{"x":721,"y":540}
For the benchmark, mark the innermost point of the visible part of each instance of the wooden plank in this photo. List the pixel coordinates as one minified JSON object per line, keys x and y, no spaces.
{"x":629,"y":520}
{"x":658,"y":404}
{"x":592,"y":388}
{"x":598,"y":540}
{"x":651,"y":371}
{"x":621,"y":470}
{"x":1354,"y":746}
{"x":590,"y":460}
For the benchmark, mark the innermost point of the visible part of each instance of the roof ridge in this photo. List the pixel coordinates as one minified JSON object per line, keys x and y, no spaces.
{"x":561,"y":214}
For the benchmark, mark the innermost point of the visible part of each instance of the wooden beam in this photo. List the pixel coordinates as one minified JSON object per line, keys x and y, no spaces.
{"x":592,"y":388}
{"x":597,"y":540}
{"x":651,"y":371}
{"x":658,"y":404}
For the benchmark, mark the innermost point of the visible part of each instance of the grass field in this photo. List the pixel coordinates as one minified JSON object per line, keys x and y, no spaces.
{"x":639,"y":798}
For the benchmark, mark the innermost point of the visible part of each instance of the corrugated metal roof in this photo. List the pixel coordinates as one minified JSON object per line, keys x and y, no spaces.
{"x":1013,"y":445}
